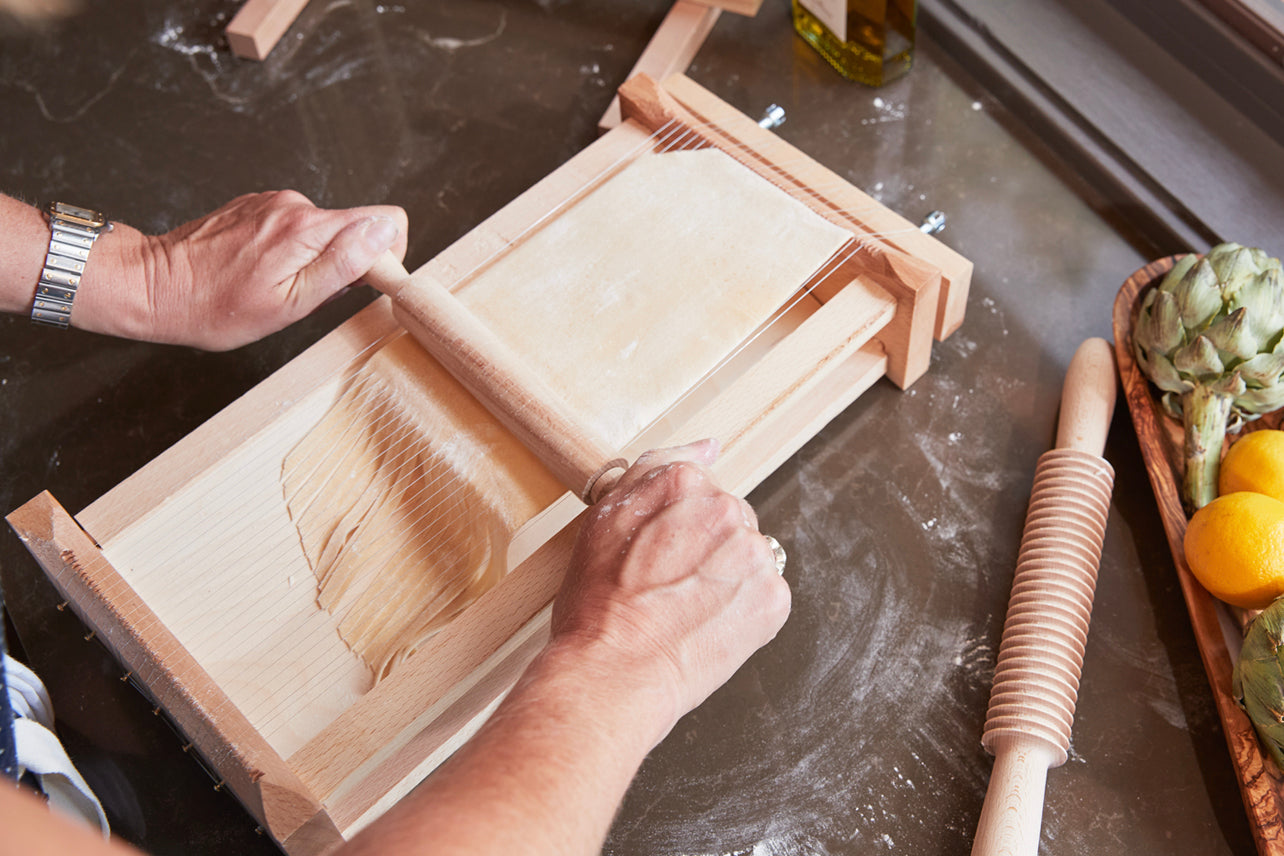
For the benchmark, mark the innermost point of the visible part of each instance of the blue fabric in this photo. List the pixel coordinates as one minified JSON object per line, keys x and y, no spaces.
{"x":8,"y":750}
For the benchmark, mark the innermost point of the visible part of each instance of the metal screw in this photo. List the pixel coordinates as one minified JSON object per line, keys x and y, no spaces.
{"x":932,"y":223}
{"x":772,"y":117}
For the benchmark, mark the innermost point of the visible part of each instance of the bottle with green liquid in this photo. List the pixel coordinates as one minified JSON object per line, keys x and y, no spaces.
{"x":870,"y":41}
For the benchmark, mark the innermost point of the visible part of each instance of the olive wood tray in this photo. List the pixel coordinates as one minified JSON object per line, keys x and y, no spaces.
{"x":1217,"y":625}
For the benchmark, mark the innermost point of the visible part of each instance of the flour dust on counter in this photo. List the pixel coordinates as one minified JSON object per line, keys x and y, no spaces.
{"x":840,"y":736}
{"x":287,"y":98}
{"x":852,"y":717}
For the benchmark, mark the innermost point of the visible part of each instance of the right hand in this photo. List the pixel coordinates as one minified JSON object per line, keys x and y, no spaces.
{"x":670,"y":582}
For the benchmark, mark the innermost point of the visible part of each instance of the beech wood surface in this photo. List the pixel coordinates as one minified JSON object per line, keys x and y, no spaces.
{"x":264,"y":784}
{"x":259,"y":25}
{"x":740,"y":7}
{"x":1036,"y":679}
{"x":827,"y":191}
{"x":505,"y":386}
{"x":1260,"y":780}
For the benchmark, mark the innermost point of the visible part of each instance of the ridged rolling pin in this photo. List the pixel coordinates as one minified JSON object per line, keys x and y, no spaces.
{"x":1036,"y":681}
{"x":504,"y":385}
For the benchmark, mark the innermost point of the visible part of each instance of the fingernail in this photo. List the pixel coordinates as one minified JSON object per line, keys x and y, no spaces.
{"x":379,"y":234}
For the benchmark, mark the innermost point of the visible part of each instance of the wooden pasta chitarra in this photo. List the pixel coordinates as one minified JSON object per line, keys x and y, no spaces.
{"x":221,"y":624}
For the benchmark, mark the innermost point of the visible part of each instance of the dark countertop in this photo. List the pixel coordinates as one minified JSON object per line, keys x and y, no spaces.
{"x":858,"y":729}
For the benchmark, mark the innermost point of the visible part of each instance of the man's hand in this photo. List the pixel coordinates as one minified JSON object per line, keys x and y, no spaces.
{"x":671,"y":588}
{"x":671,"y":583}
{"x":252,"y":267}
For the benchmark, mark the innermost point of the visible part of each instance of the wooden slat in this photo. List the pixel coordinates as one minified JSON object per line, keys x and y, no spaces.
{"x":869,"y":215}
{"x":914,"y":283}
{"x":259,"y":25}
{"x":671,"y":49}
{"x":236,"y":424}
{"x":748,"y":8}
{"x":258,"y":776}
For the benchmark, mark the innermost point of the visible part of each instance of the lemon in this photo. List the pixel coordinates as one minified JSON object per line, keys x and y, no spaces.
{"x":1254,"y":462}
{"x":1235,"y":548}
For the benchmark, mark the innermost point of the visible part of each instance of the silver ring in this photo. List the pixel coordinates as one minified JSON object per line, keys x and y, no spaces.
{"x":778,"y":552}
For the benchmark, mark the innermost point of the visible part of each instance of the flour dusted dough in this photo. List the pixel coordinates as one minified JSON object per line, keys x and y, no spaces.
{"x":627,"y":299}
{"x":405,"y":497}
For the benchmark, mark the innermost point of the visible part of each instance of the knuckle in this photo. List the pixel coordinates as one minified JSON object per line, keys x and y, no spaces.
{"x":290,"y":198}
{"x":779,"y":601}
{"x":728,"y":511}
{"x":684,"y":475}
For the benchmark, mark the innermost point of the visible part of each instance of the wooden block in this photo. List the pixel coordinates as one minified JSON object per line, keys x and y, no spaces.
{"x":672,"y":48}
{"x":748,"y":8}
{"x":259,"y":25}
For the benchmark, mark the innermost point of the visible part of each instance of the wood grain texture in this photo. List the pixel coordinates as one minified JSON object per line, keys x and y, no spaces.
{"x":1261,"y":781}
{"x":258,"y":776}
{"x":739,"y":7}
{"x":259,"y":25}
{"x":671,"y":49}
{"x":913,"y":283}
{"x":1088,"y":398}
{"x":134,"y":498}
{"x":488,"y":368}
{"x":810,"y":180}
{"x":1036,"y":678}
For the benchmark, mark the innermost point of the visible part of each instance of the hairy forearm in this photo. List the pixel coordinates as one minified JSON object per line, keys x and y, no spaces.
{"x":545,"y":774}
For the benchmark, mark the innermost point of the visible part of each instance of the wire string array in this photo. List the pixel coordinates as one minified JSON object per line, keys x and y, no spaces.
{"x":241,"y":568}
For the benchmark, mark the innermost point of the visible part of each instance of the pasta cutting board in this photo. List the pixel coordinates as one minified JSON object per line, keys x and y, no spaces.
{"x":195,"y":573}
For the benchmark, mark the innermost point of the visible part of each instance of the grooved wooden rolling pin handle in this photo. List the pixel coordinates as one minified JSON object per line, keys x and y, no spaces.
{"x":1036,"y":681}
{"x":514,"y":395}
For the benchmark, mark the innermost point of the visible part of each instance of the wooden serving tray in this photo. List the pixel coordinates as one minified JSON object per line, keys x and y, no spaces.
{"x":1216,"y":625}
{"x":170,"y":569}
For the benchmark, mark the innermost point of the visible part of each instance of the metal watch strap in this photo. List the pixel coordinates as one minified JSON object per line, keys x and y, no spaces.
{"x":73,"y":232}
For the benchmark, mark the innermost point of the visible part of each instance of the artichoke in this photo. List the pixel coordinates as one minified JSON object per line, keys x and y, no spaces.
{"x":1258,"y":679}
{"x":1211,"y":336}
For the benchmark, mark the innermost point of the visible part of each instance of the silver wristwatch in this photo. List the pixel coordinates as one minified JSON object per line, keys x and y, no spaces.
{"x":74,"y":231}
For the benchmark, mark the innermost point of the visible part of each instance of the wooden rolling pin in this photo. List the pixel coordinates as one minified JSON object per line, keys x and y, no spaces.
{"x":1036,"y":682}
{"x":516,"y":396}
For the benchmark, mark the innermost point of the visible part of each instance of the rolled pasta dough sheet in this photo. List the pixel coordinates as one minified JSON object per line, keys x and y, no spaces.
{"x":628,"y":298}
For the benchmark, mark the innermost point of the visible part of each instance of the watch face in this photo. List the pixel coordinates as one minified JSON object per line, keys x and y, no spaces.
{"x":83,"y":216}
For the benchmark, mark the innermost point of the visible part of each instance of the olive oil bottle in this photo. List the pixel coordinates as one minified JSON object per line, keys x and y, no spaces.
{"x":871,"y":41}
